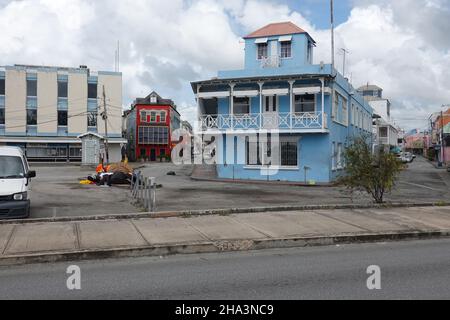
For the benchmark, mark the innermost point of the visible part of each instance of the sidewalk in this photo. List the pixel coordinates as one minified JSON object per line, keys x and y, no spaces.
{"x":63,"y":241}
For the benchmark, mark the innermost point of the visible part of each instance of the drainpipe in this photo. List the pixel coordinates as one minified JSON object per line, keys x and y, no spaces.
{"x":291,"y":97}
{"x":322,"y":81}
{"x":199,"y":113}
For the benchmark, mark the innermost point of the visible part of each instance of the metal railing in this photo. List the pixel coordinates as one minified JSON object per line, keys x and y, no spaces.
{"x":143,"y":191}
{"x":300,"y":120}
{"x":271,"y":62}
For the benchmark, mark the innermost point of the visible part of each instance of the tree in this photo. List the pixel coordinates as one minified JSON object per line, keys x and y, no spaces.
{"x":375,"y":173}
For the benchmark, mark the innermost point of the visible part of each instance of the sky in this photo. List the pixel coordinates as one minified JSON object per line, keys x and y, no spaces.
{"x":400,"y":45}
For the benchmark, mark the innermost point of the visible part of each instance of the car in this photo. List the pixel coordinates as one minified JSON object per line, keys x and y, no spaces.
{"x":409,"y":157}
{"x":15,"y":179}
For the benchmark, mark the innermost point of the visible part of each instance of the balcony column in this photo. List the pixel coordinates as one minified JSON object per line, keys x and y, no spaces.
{"x":291,"y":101}
{"x":232,"y":104}
{"x":260,"y":84}
{"x":322,"y":81}
{"x":199,"y":112}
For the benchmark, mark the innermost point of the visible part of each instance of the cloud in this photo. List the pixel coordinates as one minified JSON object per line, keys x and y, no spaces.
{"x":167,"y":44}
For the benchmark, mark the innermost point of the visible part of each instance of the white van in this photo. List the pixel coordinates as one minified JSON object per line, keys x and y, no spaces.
{"x":15,"y":178}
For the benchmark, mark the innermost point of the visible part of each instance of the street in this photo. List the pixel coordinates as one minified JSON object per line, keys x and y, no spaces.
{"x":56,"y":192}
{"x":409,"y":270}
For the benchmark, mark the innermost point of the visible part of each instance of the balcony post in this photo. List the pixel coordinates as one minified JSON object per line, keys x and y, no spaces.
{"x":323,"y":102}
{"x":261,"y":84}
{"x":291,"y":102}
{"x":199,"y":113}
{"x":232,"y":104}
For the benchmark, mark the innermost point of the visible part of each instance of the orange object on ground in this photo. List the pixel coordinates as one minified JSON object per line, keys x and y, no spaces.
{"x":100,"y":168}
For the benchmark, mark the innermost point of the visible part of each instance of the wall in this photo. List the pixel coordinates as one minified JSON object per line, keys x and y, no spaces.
{"x":47,"y":92}
{"x":15,"y":102}
{"x":113,"y":91}
{"x":77,"y":101}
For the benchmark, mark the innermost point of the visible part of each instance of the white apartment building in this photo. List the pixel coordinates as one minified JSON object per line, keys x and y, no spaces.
{"x":385,"y":132}
{"x":44,"y":109}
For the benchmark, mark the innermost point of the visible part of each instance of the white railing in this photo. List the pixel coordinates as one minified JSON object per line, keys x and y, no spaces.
{"x":269,"y":121}
{"x":271,"y":62}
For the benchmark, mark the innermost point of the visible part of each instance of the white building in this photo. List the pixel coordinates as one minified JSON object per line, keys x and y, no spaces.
{"x":44,"y":109}
{"x":385,"y":131}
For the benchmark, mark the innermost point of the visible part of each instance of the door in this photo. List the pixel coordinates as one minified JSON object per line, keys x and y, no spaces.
{"x":270,"y":112}
{"x":152,"y":154}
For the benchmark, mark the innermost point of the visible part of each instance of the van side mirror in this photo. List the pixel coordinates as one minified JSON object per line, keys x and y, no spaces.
{"x":30,"y":174}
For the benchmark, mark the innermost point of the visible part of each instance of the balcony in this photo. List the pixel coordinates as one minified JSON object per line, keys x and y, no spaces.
{"x":286,"y":122}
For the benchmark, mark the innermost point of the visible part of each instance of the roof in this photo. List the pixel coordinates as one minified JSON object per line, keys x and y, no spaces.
{"x":11,"y":151}
{"x":90,"y":134}
{"x":276,"y":29}
{"x":159,"y":101}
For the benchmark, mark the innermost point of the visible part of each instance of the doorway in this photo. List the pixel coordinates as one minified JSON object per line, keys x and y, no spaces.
{"x":152,"y":154}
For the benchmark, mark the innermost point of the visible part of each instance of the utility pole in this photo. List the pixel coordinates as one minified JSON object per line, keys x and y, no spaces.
{"x":105,"y":119}
{"x":344,"y":51}
{"x":332,"y":36}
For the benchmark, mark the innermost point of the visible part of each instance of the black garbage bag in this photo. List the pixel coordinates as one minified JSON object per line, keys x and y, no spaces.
{"x":120,"y":178}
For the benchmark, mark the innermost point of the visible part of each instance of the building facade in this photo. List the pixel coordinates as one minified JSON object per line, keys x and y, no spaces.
{"x":44,"y":109}
{"x":150,"y":124}
{"x":384,"y":130}
{"x":313,"y":110}
{"x":440,"y":136}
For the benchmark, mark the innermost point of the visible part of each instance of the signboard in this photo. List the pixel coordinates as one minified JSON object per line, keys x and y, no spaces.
{"x":447,"y":128}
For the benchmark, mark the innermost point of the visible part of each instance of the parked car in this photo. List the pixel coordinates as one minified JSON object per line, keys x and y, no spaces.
{"x":407,"y":157}
{"x":15,"y":177}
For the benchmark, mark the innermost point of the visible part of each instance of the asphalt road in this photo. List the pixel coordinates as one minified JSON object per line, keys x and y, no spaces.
{"x":409,"y":270}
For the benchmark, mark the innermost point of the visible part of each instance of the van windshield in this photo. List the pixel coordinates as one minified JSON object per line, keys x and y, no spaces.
{"x":11,"y":167}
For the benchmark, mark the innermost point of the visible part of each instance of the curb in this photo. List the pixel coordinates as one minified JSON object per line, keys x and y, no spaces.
{"x":226,"y":211}
{"x":262,"y":182}
{"x":218,"y":246}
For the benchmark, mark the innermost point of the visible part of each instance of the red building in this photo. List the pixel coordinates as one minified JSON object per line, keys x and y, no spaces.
{"x":149,"y":127}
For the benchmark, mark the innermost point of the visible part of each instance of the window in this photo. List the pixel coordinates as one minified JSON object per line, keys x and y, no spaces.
{"x":163,"y":116}
{"x":309,"y":53}
{"x":31,"y":117}
{"x":31,"y":88}
{"x":335,"y":105}
{"x":153,"y":116}
{"x":270,"y":103}
{"x":286,"y":49}
{"x":241,"y":105}
{"x":143,"y":116}
{"x":62,"y":89}
{"x":92,"y":119}
{"x":153,"y":99}
{"x":383,"y":132}
{"x":262,"y":51}
{"x":62,"y":118}
{"x":339,"y":156}
{"x":333,"y":156}
{"x":2,"y":116}
{"x":288,"y":153}
{"x":153,"y":135}
{"x":92,"y":91}
{"x":344,"y":119}
{"x":257,"y":157}
{"x":2,"y":87}
{"x":305,"y":103}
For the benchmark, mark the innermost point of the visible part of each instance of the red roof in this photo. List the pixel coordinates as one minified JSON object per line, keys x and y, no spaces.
{"x":276,"y":29}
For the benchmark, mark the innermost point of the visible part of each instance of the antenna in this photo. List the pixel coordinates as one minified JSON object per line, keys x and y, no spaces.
{"x":117,"y":58}
{"x":332,"y":36}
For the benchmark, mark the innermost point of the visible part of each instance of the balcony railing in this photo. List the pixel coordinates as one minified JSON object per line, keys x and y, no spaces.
{"x":271,"y":62}
{"x":270,"y":121}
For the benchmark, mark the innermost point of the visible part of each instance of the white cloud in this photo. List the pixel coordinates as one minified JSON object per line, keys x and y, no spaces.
{"x":167,"y":44}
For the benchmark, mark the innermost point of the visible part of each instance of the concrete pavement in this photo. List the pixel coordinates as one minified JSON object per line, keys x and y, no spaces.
{"x":51,"y":241}
{"x":409,"y":270}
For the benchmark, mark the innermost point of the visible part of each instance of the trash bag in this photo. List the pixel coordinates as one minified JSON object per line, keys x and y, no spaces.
{"x":119,"y":177}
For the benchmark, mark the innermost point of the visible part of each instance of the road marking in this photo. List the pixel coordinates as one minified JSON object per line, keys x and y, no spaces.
{"x":422,"y":186}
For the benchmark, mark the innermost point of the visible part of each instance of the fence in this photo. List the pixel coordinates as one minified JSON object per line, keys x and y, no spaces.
{"x":143,"y":191}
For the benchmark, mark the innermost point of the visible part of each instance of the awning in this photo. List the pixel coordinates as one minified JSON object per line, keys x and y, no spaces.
{"x":261,"y":40}
{"x":275,"y":92}
{"x":245,"y":93}
{"x":306,"y":90}
{"x":215,"y":94}
{"x":285,"y":38}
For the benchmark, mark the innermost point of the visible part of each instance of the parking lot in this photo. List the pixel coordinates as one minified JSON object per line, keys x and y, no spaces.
{"x":56,"y":191}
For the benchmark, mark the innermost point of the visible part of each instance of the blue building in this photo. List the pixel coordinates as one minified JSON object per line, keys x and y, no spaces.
{"x":311,"y":109}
